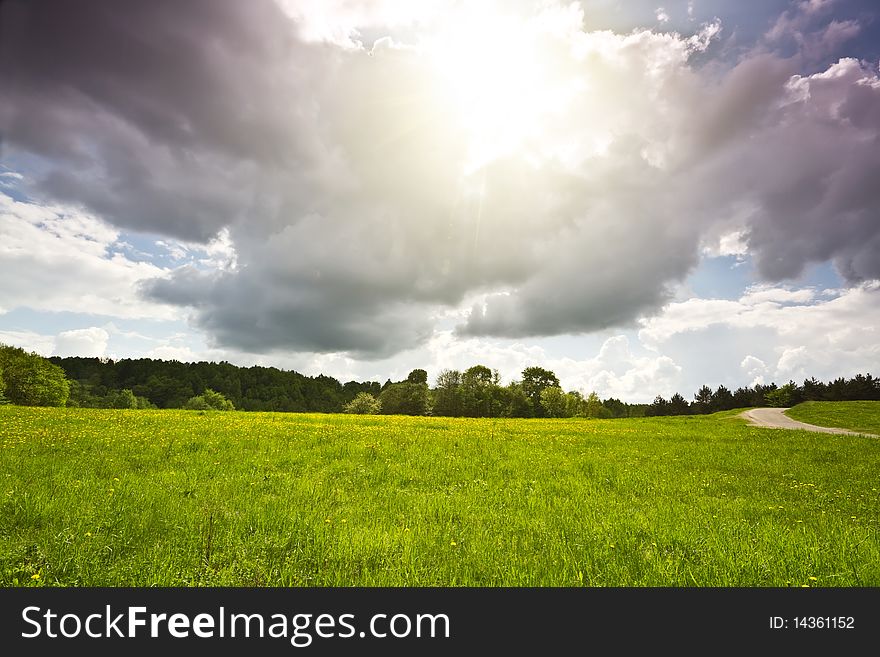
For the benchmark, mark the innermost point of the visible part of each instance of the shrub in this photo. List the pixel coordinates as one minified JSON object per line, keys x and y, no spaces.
{"x":364,"y":404}
{"x":210,"y":400}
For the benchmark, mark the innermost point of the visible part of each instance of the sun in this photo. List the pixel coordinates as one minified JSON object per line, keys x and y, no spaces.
{"x":496,"y":70}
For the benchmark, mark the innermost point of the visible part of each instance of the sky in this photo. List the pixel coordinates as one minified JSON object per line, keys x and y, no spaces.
{"x":642,"y":197}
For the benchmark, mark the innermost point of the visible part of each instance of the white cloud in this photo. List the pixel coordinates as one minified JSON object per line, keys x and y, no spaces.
{"x":63,"y":260}
{"x":341,"y":21}
{"x":29,"y":341}
{"x":615,"y":371}
{"x":217,"y":255}
{"x":88,"y":342}
{"x":733,"y":243}
{"x":662,"y":16}
{"x":169,"y":352}
{"x":811,"y":7}
{"x":795,"y":362}
{"x":799,"y":333}
{"x":755,"y":368}
{"x":9,"y":179}
{"x":766,"y":293}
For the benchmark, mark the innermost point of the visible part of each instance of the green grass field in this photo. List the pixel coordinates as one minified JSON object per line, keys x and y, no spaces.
{"x":853,"y":415}
{"x":113,"y":498}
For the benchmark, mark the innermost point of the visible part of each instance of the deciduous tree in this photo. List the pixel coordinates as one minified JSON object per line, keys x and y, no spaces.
{"x":31,"y":380}
{"x":364,"y":404}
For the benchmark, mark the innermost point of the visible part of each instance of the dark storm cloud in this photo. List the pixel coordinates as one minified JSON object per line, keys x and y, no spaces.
{"x":809,"y":172}
{"x":155,"y":114}
{"x":339,"y":171}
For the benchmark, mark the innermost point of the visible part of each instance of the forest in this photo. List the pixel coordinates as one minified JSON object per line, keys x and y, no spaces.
{"x":31,"y":380}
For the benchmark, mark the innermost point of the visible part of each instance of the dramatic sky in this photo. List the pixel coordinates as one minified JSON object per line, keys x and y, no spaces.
{"x":642,"y":198}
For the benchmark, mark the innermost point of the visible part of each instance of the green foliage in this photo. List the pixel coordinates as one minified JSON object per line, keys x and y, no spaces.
{"x":594,"y":407}
{"x":209,"y":400}
{"x":554,"y":402}
{"x":3,"y":399}
{"x":678,"y":405}
{"x":722,"y":400}
{"x":31,"y":380}
{"x":861,"y":387}
{"x":125,"y":399}
{"x":534,"y":380}
{"x":703,"y":400}
{"x":479,"y":394}
{"x":417,"y":376}
{"x":217,"y":401}
{"x":270,"y":499}
{"x":364,"y":404}
{"x":85,"y":395}
{"x":197,"y":403}
{"x":616,"y":407}
{"x":515,"y":402}
{"x":575,"y":405}
{"x":144,"y":403}
{"x":405,"y":399}
{"x":170,"y":384}
{"x":781,"y":397}
{"x":447,"y":394}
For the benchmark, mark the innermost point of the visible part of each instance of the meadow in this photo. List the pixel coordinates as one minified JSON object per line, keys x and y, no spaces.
{"x":143,"y":498}
{"x":852,"y":415}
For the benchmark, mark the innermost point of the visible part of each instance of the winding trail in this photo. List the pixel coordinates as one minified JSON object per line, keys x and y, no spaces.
{"x":775,"y":418}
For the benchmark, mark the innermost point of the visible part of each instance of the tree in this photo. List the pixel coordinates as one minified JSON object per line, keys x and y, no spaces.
{"x":616,"y":407}
{"x":864,"y":387}
{"x":143,"y":402}
{"x":405,"y":399}
{"x":3,"y":399}
{"x":722,"y":400}
{"x":594,"y":407}
{"x":166,"y":389}
{"x":742,"y":397}
{"x":364,"y":404}
{"x":514,"y":402}
{"x":209,"y":400}
{"x":447,"y":394}
{"x":678,"y":405}
{"x":217,"y":401}
{"x":31,"y":380}
{"x":477,"y":390}
{"x":575,"y":406}
{"x":196,"y":403}
{"x":534,"y":380}
{"x":553,"y":402}
{"x":417,"y":376}
{"x":782,"y":397}
{"x":124,"y":399}
{"x":813,"y":390}
{"x":702,"y":400}
{"x":658,"y":407}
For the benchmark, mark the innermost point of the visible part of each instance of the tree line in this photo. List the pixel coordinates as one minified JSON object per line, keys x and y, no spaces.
{"x":477,"y":392}
{"x":706,"y":400}
{"x":29,"y":379}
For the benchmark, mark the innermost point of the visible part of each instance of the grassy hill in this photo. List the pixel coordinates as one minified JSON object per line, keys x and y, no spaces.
{"x":853,"y":415}
{"x":104,"y":497}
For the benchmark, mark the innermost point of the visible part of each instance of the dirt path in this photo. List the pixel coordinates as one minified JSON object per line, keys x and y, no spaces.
{"x":774,"y":418}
